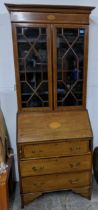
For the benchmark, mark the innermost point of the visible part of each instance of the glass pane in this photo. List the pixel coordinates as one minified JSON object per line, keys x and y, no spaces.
{"x":33,"y":66}
{"x":70,"y":65}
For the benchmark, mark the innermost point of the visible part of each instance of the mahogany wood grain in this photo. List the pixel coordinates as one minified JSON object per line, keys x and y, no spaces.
{"x":47,"y":18}
{"x":15,"y":50}
{"x":54,"y":182}
{"x":84,"y":191}
{"x":51,"y":8}
{"x":54,"y":149}
{"x":27,"y":198}
{"x":85,"y":66}
{"x":36,"y":127}
{"x":34,"y":167}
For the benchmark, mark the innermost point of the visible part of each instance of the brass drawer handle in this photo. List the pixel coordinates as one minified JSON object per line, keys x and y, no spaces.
{"x":74,"y":181}
{"x":75,"y":148}
{"x":78,"y":148}
{"x":37,"y":169}
{"x":75,"y":165}
{"x":40,"y":150}
{"x":34,"y":168}
{"x":33,"y":151}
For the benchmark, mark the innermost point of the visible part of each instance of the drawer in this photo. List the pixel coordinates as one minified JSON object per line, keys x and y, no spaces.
{"x":55,"y":165}
{"x":61,"y":148}
{"x":54,"y":182}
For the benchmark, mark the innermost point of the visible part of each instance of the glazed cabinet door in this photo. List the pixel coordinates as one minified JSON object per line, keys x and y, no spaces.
{"x":32,"y":46}
{"x":70,"y":66}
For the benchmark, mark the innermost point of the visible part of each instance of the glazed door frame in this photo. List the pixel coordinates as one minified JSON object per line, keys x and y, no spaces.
{"x":70,"y":26}
{"x":15,"y":48}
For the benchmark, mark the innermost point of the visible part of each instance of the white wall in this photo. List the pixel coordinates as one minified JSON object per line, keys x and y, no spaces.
{"x":7,"y":76}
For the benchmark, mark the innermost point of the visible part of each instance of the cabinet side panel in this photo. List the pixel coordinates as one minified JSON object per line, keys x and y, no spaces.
{"x":85,"y":66}
{"x":15,"y":50}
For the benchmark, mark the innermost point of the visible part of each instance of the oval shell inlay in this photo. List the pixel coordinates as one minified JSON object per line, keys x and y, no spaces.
{"x":54,"y":125}
{"x":51,"y":17}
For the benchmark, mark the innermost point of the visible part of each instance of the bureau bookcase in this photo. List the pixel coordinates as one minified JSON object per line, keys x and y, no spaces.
{"x":54,"y":136}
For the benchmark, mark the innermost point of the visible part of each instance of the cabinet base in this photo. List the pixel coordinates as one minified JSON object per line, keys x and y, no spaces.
{"x":29,"y":197}
{"x":84,"y":191}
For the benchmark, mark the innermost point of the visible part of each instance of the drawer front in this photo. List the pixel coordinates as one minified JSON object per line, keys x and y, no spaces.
{"x":55,"y":165}
{"x":55,"y":182}
{"x":63,"y":148}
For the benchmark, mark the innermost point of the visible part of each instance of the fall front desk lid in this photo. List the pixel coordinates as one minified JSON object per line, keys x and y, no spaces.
{"x":34,"y":127}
